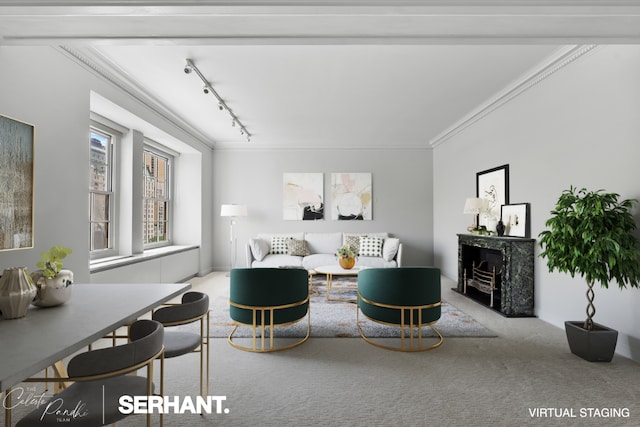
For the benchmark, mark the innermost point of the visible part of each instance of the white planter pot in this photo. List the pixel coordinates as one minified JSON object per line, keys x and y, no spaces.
{"x":54,"y":291}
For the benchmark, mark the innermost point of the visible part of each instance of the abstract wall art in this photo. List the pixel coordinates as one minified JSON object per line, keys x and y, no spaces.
{"x":303,"y":196}
{"x":351,"y":196}
{"x":16,"y":184}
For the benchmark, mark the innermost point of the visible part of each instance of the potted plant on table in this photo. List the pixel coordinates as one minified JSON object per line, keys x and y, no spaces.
{"x":347,"y":256}
{"x":590,"y":234}
{"x":53,"y":282}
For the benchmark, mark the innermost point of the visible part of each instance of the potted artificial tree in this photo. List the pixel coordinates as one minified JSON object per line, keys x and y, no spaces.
{"x":590,"y":234}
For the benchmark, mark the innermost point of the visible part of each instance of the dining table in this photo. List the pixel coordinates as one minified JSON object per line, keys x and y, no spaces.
{"x":45,"y":336}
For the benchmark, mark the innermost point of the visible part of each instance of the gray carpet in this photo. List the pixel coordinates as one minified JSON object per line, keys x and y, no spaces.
{"x":335,"y":319}
{"x":475,"y":382}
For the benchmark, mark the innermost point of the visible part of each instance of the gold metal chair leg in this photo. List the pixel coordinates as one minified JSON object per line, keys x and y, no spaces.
{"x":402,"y":346}
{"x":7,"y":407}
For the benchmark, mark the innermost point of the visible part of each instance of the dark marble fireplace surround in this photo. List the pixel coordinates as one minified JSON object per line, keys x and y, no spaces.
{"x":513,"y":257}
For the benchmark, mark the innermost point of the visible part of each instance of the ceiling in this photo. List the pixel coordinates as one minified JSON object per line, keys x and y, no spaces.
{"x":319,"y":74}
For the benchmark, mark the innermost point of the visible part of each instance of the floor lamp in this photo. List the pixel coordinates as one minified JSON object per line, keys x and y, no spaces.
{"x":232,"y":212}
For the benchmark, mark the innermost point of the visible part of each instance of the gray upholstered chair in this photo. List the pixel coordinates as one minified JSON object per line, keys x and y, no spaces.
{"x":406,"y":297}
{"x":266,"y":298}
{"x":99,"y":379}
{"x":194,"y":308}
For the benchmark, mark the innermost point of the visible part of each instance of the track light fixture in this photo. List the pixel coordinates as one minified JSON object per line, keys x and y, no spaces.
{"x":207,"y":89}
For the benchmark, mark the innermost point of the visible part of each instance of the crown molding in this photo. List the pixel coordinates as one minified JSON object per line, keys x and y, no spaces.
{"x":99,"y":66}
{"x":562,"y":58}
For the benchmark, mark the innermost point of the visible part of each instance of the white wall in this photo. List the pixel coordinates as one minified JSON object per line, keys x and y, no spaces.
{"x":578,"y":127}
{"x":46,"y":88}
{"x":402,"y":194}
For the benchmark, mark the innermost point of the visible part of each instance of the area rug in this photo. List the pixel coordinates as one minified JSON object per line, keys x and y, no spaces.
{"x":337,"y":319}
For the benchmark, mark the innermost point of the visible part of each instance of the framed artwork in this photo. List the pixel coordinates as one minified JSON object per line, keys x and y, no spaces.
{"x":351,"y":196}
{"x":516,"y":219}
{"x":493,"y":185}
{"x":303,"y":196}
{"x":16,"y":184}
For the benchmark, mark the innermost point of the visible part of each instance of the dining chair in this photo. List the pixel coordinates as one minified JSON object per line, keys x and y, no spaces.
{"x":177,"y":341}
{"x":408,"y":298}
{"x":99,"y":378}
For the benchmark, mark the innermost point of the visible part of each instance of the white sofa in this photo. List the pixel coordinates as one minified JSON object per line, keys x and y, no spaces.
{"x":274,"y":249}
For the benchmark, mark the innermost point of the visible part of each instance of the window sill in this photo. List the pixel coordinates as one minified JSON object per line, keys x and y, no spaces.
{"x":110,"y":263}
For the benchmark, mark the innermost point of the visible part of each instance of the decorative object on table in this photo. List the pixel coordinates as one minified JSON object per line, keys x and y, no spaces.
{"x":16,"y":175}
{"x":500,"y":228}
{"x":591,"y":234}
{"x":347,"y":256}
{"x":53,"y":283}
{"x":493,"y":185}
{"x":302,"y":196}
{"x":475,"y":206}
{"x":232,"y":212}
{"x":351,"y":196}
{"x":17,"y":291}
{"x":515,"y":219}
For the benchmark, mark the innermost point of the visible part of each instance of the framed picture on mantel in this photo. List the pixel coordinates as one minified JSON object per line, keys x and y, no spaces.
{"x":493,"y":185}
{"x":516,"y":219}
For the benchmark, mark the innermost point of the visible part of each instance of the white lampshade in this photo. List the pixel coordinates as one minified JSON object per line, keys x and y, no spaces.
{"x":473,"y":205}
{"x":233,"y":210}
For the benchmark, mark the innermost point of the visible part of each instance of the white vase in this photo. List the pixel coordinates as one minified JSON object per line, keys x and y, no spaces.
{"x":17,"y":291}
{"x":52,"y":291}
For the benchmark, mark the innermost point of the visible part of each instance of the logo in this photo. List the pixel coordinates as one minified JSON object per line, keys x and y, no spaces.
{"x":50,"y":406}
{"x":172,"y":405}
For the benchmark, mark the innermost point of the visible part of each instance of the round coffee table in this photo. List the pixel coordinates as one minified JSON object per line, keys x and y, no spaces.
{"x":336,"y":270}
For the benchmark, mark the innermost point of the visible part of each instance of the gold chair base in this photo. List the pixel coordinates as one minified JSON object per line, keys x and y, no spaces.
{"x":414,"y":343}
{"x":269,"y":347}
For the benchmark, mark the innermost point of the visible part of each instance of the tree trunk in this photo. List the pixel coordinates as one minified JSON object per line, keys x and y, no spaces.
{"x":591,"y":309}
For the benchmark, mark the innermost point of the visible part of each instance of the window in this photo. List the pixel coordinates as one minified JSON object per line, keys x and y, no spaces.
{"x":101,"y":194}
{"x":157,"y":197}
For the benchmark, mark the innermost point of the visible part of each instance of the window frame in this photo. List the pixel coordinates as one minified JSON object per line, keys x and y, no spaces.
{"x":159,"y":150}
{"x":111,"y":190}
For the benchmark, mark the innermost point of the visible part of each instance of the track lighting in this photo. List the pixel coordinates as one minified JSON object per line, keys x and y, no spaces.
{"x":190,"y":67}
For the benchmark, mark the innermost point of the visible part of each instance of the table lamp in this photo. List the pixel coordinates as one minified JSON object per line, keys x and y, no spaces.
{"x":475,"y":205}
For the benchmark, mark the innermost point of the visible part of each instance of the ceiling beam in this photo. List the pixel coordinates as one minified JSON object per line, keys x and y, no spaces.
{"x":319,"y":22}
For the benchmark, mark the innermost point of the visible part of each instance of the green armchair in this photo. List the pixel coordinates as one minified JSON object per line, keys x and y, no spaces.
{"x":266,"y":298}
{"x":407,"y":297}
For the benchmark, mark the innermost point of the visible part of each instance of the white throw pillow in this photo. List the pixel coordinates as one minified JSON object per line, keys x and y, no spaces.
{"x":259,"y":248}
{"x":390,"y":248}
{"x":371,"y":246}
{"x":279,"y":245}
